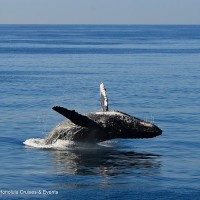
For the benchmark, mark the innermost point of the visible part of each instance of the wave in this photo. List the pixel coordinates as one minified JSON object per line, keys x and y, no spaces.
{"x":106,"y":50}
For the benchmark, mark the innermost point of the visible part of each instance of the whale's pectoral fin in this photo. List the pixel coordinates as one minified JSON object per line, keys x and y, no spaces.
{"x":76,"y":118}
{"x":104,"y":98}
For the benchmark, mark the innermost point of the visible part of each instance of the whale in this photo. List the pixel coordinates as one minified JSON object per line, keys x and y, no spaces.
{"x":95,"y":127}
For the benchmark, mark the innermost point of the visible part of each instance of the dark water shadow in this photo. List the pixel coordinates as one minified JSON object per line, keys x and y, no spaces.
{"x":105,"y":162}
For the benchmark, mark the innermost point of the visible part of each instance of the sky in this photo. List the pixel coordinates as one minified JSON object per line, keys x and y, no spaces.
{"x":99,"y":11}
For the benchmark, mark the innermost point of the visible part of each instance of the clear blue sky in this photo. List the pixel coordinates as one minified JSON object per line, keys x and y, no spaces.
{"x":100,"y":11}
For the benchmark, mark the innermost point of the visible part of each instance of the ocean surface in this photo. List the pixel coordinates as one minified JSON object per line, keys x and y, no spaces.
{"x":150,"y":71}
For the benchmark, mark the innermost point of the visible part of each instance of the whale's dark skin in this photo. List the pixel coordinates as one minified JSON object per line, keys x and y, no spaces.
{"x":100,"y":126}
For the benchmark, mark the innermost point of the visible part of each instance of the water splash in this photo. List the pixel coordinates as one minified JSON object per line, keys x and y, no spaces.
{"x":66,"y":144}
{"x":40,"y":143}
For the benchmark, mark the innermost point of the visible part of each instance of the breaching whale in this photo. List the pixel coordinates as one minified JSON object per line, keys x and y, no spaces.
{"x":97,"y":127}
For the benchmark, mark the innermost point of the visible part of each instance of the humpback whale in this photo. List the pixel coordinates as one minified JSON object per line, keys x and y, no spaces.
{"x":95,"y":127}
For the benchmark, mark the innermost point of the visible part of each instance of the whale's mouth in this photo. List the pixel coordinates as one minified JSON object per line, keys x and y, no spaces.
{"x":153,"y":131}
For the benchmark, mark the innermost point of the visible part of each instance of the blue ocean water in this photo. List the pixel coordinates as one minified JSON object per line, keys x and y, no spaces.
{"x":150,"y":71}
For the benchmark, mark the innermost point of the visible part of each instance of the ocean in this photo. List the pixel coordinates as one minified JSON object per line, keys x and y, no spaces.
{"x":150,"y":71}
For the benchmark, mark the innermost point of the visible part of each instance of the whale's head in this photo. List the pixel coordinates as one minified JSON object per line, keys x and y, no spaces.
{"x":122,"y":125}
{"x":143,"y":129}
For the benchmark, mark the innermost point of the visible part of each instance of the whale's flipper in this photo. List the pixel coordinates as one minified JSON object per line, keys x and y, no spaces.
{"x":104,"y":98}
{"x":76,"y":118}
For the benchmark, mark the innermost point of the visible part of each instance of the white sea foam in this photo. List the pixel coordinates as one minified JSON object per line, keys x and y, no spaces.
{"x":66,"y":144}
{"x":40,"y":143}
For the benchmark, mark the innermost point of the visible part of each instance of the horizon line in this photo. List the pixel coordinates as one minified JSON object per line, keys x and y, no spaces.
{"x":100,"y":24}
